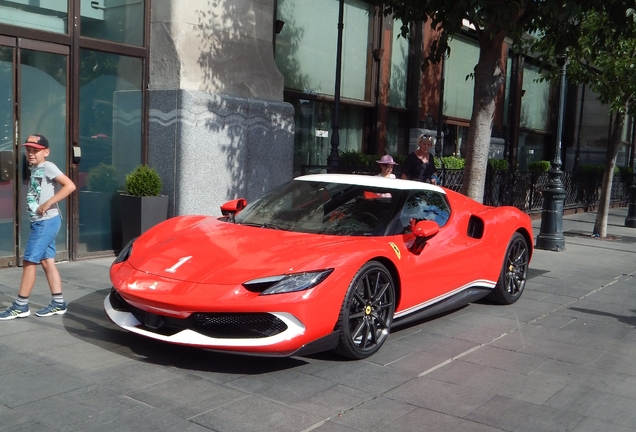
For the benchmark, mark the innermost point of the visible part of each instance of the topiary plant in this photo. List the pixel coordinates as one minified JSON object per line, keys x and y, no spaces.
{"x":499,"y":164}
{"x":539,"y":166}
{"x":450,"y":162}
{"x":101,"y":178}
{"x":143,"y":181}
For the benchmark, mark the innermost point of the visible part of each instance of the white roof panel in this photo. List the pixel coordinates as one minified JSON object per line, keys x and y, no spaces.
{"x":371,"y":181}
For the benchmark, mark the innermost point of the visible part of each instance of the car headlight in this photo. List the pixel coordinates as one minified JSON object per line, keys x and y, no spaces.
{"x":287,"y":283}
{"x":125,"y":253}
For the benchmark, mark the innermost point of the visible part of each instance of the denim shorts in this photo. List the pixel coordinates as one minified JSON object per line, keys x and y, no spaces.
{"x":41,"y":243}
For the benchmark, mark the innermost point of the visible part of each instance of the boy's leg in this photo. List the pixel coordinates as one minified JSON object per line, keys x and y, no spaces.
{"x":57,"y":305}
{"x":20,"y":307}
{"x":52,"y":275}
{"x":28,"y":278}
{"x":40,"y":248}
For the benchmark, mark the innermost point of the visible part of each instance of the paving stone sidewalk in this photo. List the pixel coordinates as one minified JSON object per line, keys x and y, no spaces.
{"x":560,"y":359}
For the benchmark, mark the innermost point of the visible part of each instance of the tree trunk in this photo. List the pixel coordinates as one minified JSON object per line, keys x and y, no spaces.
{"x":488,"y":79}
{"x":600,"y":224}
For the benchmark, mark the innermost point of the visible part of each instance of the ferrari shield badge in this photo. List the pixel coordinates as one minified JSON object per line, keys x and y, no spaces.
{"x":396,"y":250}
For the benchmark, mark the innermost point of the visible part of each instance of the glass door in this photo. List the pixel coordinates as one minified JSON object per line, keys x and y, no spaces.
{"x":33,"y":99}
{"x":8,"y":159}
{"x":42,"y":109}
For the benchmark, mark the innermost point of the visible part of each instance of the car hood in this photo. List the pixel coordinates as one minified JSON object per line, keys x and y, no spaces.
{"x":206,"y":250}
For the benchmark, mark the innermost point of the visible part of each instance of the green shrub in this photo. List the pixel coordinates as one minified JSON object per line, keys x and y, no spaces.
{"x":499,"y":164}
{"x":371,"y":160}
{"x":625,"y":170}
{"x":596,"y":169}
{"x":591,"y":169}
{"x":539,"y":166}
{"x":143,"y":181}
{"x":400,"y":159}
{"x":356,"y":159}
{"x":450,"y":162}
{"x":102,"y":178}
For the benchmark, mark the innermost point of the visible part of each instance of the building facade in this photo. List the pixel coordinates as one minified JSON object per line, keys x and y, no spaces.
{"x":189,"y":87}
{"x":228,"y":99}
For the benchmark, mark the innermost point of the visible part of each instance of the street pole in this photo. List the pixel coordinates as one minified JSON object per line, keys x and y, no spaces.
{"x":439,"y":147}
{"x":551,"y":234}
{"x":630,"y":220}
{"x":334,"y":156}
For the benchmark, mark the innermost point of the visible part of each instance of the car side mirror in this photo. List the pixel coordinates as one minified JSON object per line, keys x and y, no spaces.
{"x":231,"y":208}
{"x":423,"y":230}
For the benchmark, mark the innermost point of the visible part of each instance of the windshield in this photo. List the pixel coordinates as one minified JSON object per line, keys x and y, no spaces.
{"x":323,"y":208}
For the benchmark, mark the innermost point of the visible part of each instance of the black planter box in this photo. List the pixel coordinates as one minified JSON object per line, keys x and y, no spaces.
{"x":138,"y":214}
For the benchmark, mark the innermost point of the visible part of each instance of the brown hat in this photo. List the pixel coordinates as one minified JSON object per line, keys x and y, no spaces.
{"x":38,"y":141}
{"x":386,"y":160}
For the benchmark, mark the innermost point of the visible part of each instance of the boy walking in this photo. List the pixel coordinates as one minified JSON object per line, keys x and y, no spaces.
{"x":47,"y":186}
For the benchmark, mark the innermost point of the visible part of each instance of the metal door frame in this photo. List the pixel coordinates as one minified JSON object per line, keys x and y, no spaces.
{"x":18,"y":44}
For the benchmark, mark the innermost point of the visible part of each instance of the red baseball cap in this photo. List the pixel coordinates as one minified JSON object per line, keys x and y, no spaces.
{"x":38,"y":141}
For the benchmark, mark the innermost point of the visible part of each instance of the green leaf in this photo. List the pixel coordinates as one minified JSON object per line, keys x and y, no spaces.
{"x":143,"y":181}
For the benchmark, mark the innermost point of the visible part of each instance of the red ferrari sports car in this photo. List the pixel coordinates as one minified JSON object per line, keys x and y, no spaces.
{"x":326,"y":261}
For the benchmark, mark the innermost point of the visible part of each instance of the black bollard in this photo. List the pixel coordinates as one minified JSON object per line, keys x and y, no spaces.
{"x":630,"y":220}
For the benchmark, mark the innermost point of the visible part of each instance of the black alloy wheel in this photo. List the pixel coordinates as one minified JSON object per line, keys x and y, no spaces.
{"x":514,"y":272}
{"x":367,"y":312}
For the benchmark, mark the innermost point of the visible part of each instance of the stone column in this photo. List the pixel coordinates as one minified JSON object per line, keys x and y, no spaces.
{"x":219,"y":128}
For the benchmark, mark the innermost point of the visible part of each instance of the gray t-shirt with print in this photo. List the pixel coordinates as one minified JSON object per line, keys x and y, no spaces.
{"x":42,"y":186}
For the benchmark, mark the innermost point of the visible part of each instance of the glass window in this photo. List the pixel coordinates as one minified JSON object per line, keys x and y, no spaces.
{"x":424,"y":205}
{"x":535,"y":101}
{"x":117,"y":21}
{"x":323,"y":208}
{"x":42,"y":101}
{"x":110,"y":139}
{"x":312,"y":140}
{"x":399,"y":67}
{"x":306,"y":53}
{"x":531,"y":148}
{"x":458,"y":90}
{"x":7,"y":154}
{"x":41,"y":15}
{"x":397,"y":130}
{"x":455,"y":141}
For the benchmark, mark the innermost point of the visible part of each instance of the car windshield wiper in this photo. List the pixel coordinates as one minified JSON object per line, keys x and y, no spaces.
{"x":264,"y":225}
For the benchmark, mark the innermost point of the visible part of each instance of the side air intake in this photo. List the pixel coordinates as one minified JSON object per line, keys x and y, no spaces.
{"x":475,"y":227}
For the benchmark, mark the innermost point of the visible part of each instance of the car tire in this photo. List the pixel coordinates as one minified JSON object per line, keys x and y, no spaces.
{"x":514,"y":272}
{"x":367,"y":312}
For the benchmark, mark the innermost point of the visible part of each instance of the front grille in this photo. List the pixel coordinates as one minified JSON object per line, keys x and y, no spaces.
{"x":237,"y":326}
{"x":217,"y":325}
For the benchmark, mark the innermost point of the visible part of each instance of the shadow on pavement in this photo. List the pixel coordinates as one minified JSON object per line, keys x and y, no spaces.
{"x":87,"y":321}
{"x":629,"y":320}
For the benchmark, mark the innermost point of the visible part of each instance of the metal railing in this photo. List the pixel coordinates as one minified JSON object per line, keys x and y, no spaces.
{"x":521,"y":189}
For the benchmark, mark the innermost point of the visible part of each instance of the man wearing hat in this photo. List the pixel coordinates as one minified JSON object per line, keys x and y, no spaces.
{"x":47,"y":187}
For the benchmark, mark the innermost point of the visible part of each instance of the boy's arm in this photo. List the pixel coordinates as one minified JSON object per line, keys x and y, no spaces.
{"x":67,"y":188}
